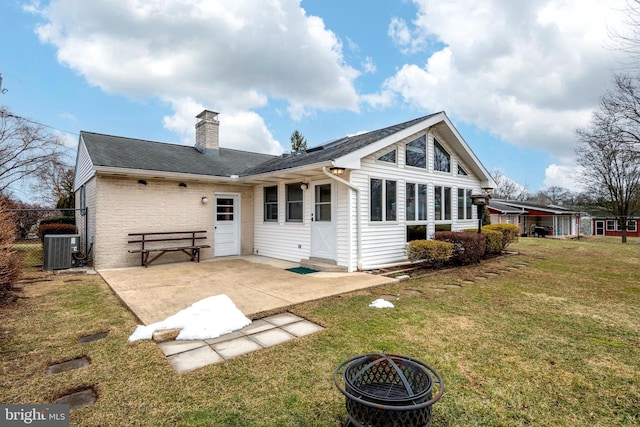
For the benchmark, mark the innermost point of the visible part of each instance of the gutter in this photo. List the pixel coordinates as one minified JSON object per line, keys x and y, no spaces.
{"x":358,"y":222}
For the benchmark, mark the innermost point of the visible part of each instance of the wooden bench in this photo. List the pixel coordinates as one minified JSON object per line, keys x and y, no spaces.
{"x":185,"y":241}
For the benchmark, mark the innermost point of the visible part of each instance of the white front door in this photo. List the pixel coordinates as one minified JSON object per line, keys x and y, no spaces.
{"x":226,"y":239}
{"x":323,"y":233}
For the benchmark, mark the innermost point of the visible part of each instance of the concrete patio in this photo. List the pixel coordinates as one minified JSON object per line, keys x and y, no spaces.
{"x":255,"y":284}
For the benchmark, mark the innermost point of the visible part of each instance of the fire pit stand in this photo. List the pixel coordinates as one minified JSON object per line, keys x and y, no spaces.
{"x":387,"y":390}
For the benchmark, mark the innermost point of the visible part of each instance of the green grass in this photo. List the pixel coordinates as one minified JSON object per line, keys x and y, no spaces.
{"x":553,"y":342}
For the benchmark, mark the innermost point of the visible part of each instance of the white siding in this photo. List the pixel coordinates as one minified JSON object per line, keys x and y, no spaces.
{"x":283,"y":240}
{"x":84,"y":168}
{"x":383,"y":242}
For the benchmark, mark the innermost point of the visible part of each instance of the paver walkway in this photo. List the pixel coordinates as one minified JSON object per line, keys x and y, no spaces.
{"x":187,"y":355}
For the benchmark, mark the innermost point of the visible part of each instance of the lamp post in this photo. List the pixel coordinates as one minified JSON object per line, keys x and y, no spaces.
{"x":481,"y":200}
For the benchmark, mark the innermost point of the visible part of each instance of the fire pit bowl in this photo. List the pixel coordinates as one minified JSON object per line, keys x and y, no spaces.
{"x":387,"y":390}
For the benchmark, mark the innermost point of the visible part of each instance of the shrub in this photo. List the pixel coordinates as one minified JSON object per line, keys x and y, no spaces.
{"x":9,"y":260}
{"x":59,"y":220}
{"x":56,"y":228}
{"x":434,"y":252}
{"x":510,"y":233}
{"x":493,"y":240}
{"x":468,"y":247}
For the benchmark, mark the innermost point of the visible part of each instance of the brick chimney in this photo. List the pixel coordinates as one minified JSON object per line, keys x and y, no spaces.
{"x":207,"y":133}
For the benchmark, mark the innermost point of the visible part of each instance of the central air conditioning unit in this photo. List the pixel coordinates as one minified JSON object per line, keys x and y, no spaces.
{"x":58,"y":251}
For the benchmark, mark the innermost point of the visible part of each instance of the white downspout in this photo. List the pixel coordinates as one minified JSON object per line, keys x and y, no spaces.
{"x":358,"y":233}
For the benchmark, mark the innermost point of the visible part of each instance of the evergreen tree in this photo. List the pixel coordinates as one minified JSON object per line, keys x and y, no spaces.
{"x":298,"y":142}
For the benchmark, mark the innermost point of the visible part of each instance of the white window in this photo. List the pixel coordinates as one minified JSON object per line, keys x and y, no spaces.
{"x":416,"y":152}
{"x":464,"y":203}
{"x":271,"y":204}
{"x":383,"y":205}
{"x":389,"y":157}
{"x":441,"y":159}
{"x":294,"y":202}
{"x":442,"y":203}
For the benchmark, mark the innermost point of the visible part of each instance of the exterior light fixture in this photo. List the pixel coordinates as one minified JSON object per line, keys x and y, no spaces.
{"x":304,"y":186}
{"x":337,"y":171}
{"x":205,"y":200}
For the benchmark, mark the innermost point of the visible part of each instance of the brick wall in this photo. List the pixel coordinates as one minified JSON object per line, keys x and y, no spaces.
{"x":126,"y":206}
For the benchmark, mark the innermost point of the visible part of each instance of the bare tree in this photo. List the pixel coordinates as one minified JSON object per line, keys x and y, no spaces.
{"x":508,"y":189}
{"x":554,"y":195}
{"x":608,"y":151}
{"x":25,"y":148}
{"x":54,"y":183}
{"x":629,"y":41}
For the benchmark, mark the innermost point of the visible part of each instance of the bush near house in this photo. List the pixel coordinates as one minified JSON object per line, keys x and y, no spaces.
{"x":435,"y":252}
{"x":493,"y":240}
{"x":468,"y":248}
{"x":57,"y":225}
{"x":510,"y":233}
{"x":9,"y":259}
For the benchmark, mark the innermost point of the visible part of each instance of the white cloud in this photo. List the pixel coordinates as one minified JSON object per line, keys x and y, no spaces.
{"x":368,"y":65}
{"x":230,"y":55}
{"x":241,"y":130}
{"x":528,"y":72}
{"x":565,"y":176}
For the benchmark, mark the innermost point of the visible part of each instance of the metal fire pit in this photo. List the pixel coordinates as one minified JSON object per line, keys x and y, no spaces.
{"x":387,"y":390}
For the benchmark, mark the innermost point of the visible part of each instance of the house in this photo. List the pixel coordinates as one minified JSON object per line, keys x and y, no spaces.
{"x":534,"y":219}
{"x":352,"y":203}
{"x":609,"y":226}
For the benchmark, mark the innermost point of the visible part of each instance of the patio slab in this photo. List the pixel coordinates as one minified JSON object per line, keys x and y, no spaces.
{"x":255,"y":285}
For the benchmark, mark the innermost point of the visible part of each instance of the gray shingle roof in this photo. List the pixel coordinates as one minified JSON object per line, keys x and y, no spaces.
{"x":130,"y":153}
{"x":120,"y":152}
{"x":332,"y":150}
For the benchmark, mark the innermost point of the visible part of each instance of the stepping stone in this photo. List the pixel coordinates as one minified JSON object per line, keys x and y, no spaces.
{"x":78,"y":399}
{"x":403,"y":277}
{"x":194,"y":359}
{"x":257,"y":326}
{"x":300,"y":329}
{"x":169,"y":348}
{"x":411,"y":292}
{"x":272,"y":337}
{"x":93,"y":337}
{"x":68,"y":365}
{"x":468,"y":282}
{"x":453,"y":286}
{"x":480,"y":278}
{"x":437,"y":289}
{"x":390,"y":298}
{"x":236,"y":347}
{"x":283,"y":319}
{"x":491,"y":274}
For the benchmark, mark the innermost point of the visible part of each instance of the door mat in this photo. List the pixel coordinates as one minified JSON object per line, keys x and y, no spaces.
{"x":302,"y":270}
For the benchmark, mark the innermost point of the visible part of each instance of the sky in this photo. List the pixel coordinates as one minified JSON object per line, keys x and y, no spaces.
{"x":515,"y":77}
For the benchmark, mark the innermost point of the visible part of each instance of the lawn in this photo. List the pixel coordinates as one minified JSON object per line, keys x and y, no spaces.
{"x":549,"y":336}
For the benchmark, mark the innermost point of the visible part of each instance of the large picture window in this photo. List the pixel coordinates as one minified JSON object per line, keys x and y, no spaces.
{"x":464,"y":203}
{"x":442,"y":203}
{"x":441,"y":159}
{"x":416,"y":202}
{"x":271,"y":203}
{"x":416,"y":152}
{"x":383,"y":199}
{"x":294,"y":202}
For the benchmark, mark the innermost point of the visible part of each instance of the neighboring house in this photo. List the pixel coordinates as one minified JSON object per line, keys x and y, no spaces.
{"x":535,"y":219}
{"x":609,"y":226}
{"x":353,"y":202}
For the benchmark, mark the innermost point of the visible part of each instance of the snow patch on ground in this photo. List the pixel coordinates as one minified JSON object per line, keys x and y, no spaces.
{"x":381,"y":303}
{"x":207,"y":318}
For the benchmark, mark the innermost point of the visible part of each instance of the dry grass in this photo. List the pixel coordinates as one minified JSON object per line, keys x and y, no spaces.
{"x":549,"y":337}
